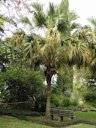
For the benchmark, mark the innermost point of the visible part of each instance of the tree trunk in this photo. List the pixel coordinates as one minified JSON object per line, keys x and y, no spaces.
{"x":48,"y":103}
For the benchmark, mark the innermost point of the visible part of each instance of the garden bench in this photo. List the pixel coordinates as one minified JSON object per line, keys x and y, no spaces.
{"x":62,"y":113}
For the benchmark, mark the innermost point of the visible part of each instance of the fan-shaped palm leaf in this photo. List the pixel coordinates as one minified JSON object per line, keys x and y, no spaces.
{"x":78,"y":53}
{"x":37,"y":7}
{"x":40,"y":19}
{"x":92,"y":21}
{"x":72,"y":16}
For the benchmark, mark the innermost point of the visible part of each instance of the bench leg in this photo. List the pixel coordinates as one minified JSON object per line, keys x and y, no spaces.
{"x":52,"y":117}
{"x":61,"y":118}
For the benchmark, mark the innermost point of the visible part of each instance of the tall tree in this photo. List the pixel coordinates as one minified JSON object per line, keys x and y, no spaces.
{"x":73,"y":52}
{"x":56,"y":18}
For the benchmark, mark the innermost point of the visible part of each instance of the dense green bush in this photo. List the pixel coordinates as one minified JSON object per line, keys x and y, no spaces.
{"x":90,"y":96}
{"x":17,"y":112}
{"x":56,"y":100}
{"x":65,"y":102}
{"x":40,"y":104}
{"x":73,"y":102}
{"x":17,"y":86}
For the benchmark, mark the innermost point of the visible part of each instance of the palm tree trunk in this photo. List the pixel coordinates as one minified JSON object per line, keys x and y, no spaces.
{"x":48,"y":103}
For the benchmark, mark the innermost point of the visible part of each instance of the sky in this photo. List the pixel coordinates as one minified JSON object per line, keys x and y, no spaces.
{"x":84,"y":8}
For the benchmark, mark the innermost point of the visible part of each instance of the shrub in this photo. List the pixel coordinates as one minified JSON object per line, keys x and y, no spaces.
{"x":56,"y":100}
{"x":21,"y":86}
{"x":90,"y":96}
{"x":65,"y":102}
{"x":40,"y":104}
{"x":73,"y":103}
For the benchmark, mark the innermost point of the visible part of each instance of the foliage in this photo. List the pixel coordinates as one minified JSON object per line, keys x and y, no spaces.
{"x":90,"y":96}
{"x":65,"y":102}
{"x":40,"y":104}
{"x":19,"y":112}
{"x":64,"y":81}
{"x":56,"y":101}
{"x":73,"y":101}
{"x":89,"y":106}
{"x":20,"y":85}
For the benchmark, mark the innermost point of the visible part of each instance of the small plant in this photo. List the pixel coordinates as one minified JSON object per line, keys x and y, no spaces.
{"x":65,"y":102}
{"x":56,"y":100}
{"x":90,"y":96}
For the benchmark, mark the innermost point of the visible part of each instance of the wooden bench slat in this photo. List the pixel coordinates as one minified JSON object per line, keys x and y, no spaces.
{"x":62,"y":113}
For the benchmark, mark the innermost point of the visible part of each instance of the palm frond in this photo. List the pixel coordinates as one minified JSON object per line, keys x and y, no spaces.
{"x":10,"y":21}
{"x":28,"y":50}
{"x":51,"y":10}
{"x":51,"y":15}
{"x":92,"y":21}
{"x":39,"y":19}
{"x":78,"y":53}
{"x":48,"y":49}
{"x":72,"y":16}
{"x":53,"y":37}
{"x":62,"y":25}
{"x":38,"y":7}
{"x":75,"y":25}
{"x":84,"y":33}
{"x":63,"y":7}
{"x":25,"y":20}
{"x":6,"y":19}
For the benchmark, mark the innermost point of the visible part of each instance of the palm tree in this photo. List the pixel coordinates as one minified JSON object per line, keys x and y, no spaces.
{"x":73,"y":51}
{"x":56,"y":18}
{"x":80,"y":55}
{"x":49,"y":59}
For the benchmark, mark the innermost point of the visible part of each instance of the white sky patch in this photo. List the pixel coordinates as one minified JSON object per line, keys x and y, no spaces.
{"x":84,"y":9}
{"x":53,"y":80}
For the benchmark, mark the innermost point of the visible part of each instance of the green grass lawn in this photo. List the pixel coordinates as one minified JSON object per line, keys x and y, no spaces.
{"x":12,"y":122}
{"x":81,"y":126}
{"x":86,"y":115}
